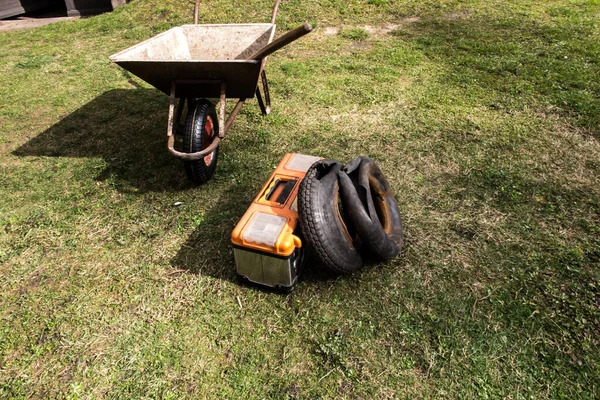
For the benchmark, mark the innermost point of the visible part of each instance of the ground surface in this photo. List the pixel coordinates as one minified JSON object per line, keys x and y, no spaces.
{"x":28,"y":23}
{"x":485,"y":118}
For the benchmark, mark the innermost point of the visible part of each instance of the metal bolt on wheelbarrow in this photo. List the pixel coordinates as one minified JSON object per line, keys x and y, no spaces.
{"x":190,"y":63}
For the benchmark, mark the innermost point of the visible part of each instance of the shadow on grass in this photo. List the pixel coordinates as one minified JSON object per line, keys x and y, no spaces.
{"x":126,"y":128}
{"x":208,"y":250}
{"x":516,"y":58}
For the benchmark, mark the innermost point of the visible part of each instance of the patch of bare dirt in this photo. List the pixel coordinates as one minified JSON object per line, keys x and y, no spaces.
{"x":28,"y":23}
{"x":375,"y":31}
{"x":331,"y":30}
{"x":457,"y":15}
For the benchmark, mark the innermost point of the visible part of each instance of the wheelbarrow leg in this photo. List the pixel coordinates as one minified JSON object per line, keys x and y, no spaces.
{"x":265,"y":109}
{"x":175,"y":112}
{"x":222,"y":101}
{"x":261,"y":104}
{"x":265,"y":83}
{"x":178,"y":114}
{"x":172,"y":101}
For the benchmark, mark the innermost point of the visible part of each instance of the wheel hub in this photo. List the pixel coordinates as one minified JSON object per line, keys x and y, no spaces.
{"x":209,"y":133}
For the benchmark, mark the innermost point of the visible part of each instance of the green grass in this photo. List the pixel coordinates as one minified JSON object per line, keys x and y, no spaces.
{"x":485,"y":117}
{"x":354,"y":34}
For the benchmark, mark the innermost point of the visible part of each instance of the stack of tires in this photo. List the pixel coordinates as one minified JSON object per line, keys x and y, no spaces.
{"x":348,"y":214}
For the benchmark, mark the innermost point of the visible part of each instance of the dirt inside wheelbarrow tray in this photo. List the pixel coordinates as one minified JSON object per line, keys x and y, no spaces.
{"x":117,"y":276}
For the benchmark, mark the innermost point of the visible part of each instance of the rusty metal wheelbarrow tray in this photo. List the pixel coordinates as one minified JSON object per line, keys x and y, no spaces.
{"x":199,"y":57}
{"x":190,"y":62}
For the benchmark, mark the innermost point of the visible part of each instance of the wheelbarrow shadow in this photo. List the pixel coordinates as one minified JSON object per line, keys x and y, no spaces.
{"x":124,"y":127}
{"x":207,"y":251}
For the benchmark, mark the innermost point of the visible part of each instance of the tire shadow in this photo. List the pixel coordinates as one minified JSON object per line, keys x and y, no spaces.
{"x":124,"y":127}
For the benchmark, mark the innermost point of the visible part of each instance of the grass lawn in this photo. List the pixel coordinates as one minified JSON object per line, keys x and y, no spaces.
{"x":485,"y":117}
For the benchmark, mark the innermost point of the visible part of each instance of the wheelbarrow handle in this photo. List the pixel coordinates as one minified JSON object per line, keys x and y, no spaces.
{"x":284,"y":40}
{"x":275,"y":8}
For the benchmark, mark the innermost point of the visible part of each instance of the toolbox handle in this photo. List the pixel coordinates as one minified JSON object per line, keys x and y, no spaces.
{"x":284,"y":187}
{"x":272,"y":189}
{"x":284,"y":40}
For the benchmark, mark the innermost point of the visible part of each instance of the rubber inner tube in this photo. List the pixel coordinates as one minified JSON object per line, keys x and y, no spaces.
{"x":371,"y":207}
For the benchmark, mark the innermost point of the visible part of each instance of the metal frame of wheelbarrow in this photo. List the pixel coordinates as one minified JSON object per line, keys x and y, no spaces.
{"x":175,"y":112}
{"x":229,"y":69}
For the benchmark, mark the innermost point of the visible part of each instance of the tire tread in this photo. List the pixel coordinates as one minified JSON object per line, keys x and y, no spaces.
{"x":311,"y":227}
{"x":197,"y":171}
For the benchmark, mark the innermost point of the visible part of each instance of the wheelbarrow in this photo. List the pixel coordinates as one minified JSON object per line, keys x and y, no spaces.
{"x":191,"y":63}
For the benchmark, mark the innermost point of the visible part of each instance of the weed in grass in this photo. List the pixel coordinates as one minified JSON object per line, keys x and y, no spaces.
{"x":34,"y":62}
{"x":354,"y":34}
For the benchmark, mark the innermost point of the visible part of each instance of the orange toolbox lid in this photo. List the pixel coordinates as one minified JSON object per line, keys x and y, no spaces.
{"x":269,"y":223}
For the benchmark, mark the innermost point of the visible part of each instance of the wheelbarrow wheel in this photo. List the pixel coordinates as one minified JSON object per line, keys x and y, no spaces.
{"x":201,"y":128}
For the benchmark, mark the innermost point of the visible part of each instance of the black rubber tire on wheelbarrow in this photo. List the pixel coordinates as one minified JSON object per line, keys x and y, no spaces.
{"x":323,"y":227}
{"x":201,"y":128}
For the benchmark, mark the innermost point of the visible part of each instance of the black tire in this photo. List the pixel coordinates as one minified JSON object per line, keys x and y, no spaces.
{"x":371,"y":207}
{"x":321,"y":222}
{"x":201,"y":128}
